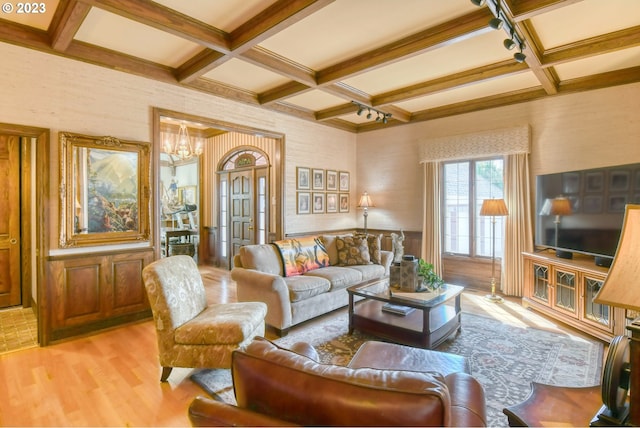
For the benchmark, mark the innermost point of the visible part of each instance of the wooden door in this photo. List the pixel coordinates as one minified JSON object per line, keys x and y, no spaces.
{"x":10,"y":289}
{"x":241,"y":210}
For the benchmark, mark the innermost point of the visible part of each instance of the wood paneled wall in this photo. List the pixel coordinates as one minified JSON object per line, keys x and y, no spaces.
{"x":92,"y":292}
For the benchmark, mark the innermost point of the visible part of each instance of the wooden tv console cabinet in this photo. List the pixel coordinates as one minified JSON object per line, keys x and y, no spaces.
{"x":564,"y":290}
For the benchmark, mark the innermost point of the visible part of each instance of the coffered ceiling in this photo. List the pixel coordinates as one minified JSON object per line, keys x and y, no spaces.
{"x":416,"y":59}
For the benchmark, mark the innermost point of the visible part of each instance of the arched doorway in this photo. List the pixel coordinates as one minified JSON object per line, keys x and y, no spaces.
{"x":224,"y":142}
{"x":243,"y":181}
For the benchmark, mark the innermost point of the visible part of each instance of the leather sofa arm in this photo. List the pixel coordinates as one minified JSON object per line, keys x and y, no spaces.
{"x":256,"y":286}
{"x":468,"y":405}
{"x":205,"y":412}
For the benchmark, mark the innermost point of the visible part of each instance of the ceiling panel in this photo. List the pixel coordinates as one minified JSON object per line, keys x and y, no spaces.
{"x":134,"y":39}
{"x":312,"y":58}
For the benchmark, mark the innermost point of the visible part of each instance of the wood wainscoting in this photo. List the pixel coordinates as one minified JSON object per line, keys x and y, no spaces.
{"x":86,"y":293}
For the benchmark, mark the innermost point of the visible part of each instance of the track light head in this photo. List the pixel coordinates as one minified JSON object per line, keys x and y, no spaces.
{"x":509,"y":44}
{"x":519,"y":56}
{"x":369,"y":114}
{"x":360,"y":110}
{"x":479,"y":3}
{"x":496,"y":23}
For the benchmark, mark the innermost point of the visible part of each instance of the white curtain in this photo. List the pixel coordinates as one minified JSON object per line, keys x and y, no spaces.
{"x":431,"y":231}
{"x":519,"y":224}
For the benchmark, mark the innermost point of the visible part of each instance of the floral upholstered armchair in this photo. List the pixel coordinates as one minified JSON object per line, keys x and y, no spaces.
{"x":190,"y":332}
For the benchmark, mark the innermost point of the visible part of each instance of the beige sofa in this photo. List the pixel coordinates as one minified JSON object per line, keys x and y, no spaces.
{"x":263,"y":274}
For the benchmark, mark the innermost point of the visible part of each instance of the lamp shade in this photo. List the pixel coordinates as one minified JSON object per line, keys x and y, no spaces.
{"x":365,"y":201}
{"x":621,"y":288}
{"x":556,"y":206}
{"x":494,"y":207}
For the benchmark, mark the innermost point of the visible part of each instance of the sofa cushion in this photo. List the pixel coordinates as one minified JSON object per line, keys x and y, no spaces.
{"x":300,"y":255}
{"x":265,"y":258}
{"x":339,"y":277}
{"x":374,"y":242}
{"x":329,"y":242}
{"x":352,"y":250}
{"x":368,"y":272}
{"x":302,"y":287}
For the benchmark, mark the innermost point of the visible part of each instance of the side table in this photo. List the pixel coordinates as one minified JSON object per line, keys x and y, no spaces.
{"x":554,"y":406}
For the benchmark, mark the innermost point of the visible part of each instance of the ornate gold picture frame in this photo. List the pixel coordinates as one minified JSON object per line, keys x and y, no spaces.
{"x":104,"y":190}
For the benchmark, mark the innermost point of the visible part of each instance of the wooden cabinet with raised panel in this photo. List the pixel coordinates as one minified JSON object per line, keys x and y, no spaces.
{"x":564,"y":289}
{"x":86,"y":293}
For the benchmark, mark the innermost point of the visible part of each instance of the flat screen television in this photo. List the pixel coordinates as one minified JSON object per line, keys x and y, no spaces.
{"x":582,"y":211}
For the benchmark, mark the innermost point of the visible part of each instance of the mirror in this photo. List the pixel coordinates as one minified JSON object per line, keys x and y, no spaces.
{"x":104,"y":190}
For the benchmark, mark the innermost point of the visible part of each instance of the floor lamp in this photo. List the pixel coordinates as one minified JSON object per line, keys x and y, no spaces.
{"x":365,"y":203}
{"x":621,"y":288}
{"x":493,"y":208}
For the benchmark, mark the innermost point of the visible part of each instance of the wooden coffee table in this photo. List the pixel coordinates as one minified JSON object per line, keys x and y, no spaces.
{"x":429,"y":324}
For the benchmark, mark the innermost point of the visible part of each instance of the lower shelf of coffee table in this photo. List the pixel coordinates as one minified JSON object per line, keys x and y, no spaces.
{"x":409,"y":329}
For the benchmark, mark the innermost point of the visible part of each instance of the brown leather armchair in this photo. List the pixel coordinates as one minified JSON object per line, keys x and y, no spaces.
{"x":280,"y":387}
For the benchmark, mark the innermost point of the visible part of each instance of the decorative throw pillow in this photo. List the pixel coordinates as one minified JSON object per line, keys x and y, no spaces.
{"x":353,"y":250}
{"x":374,"y":242}
{"x":300,"y":255}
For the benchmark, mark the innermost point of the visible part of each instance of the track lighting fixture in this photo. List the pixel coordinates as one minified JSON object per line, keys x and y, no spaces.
{"x":500,"y":20}
{"x":380,"y":115}
{"x":519,"y":56}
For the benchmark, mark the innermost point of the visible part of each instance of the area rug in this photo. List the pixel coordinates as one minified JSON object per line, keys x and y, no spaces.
{"x":504,"y":358}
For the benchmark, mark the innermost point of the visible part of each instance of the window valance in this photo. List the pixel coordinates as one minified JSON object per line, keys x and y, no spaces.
{"x":497,"y":142}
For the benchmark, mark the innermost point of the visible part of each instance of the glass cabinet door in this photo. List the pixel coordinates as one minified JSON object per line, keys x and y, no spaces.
{"x":595,"y":312}
{"x":541,"y":282}
{"x":565,"y":296}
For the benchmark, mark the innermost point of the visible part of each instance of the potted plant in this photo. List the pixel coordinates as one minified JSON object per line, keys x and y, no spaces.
{"x":430,"y":278}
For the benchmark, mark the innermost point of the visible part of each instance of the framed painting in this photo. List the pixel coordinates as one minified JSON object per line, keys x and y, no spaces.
{"x":344,"y":181}
{"x":318,"y":203}
{"x":104,"y":190}
{"x":302,"y":179}
{"x":332,"y":180}
{"x":304,"y":202}
{"x":571,"y":182}
{"x":332,"y":202}
{"x":594,"y":182}
{"x":318,"y":179}
{"x":344,"y":202}
{"x":619,"y":181}
{"x":187,"y":195}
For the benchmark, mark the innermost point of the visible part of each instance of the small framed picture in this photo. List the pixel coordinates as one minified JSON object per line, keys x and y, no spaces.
{"x":332,"y":202}
{"x":571,"y":182}
{"x":344,"y":202}
{"x":318,"y":179}
{"x":594,"y":182}
{"x":332,"y":180}
{"x":304,"y":203}
{"x":344,"y":181}
{"x":617,"y":203}
{"x":318,"y":203}
{"x":619,"y":181}
{"x":592,"y":204}
{"x":303,"y":178}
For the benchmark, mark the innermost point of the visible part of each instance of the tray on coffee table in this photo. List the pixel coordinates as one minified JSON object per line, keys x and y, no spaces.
{"x":435,"y":316}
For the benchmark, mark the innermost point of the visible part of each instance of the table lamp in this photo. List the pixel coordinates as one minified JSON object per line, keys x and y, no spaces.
{"x":364,"y":203}
{"x":621,"y":288}
{"x":493,"y":208}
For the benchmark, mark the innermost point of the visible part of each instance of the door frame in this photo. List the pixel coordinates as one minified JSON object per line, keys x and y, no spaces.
{"x":277,"y":162}
{"x":34,"y":154}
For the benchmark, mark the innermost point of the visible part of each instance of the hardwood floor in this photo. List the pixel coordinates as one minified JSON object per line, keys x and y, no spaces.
{"x":113,"y":378}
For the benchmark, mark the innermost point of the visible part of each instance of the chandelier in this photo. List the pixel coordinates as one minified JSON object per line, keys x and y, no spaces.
{"x":181,"y":145}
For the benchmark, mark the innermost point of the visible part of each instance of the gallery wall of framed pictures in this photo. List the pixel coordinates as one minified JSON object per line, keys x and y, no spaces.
{"x":320,"y":191}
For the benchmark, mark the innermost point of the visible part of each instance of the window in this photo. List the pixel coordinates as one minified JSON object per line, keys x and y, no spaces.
{"x":466,"y":184}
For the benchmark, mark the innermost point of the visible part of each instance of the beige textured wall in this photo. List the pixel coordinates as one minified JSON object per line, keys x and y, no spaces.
{"x":577,"y":131}
{"x":48,"y":91}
